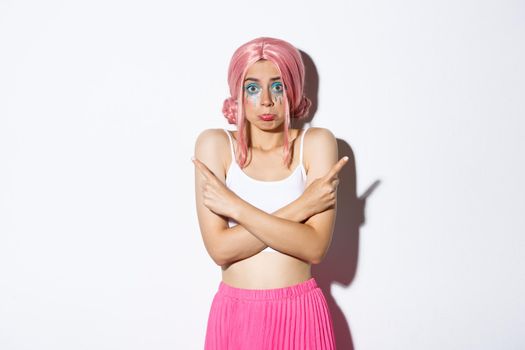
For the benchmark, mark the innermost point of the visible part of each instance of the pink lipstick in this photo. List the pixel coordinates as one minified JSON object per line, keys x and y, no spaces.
{"x":267,"y":117}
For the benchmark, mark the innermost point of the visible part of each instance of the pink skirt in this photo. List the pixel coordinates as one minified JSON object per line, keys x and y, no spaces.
{"x":294,"y":317}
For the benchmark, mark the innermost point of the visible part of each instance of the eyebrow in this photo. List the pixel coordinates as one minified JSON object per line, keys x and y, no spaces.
{"x":255,"y":79}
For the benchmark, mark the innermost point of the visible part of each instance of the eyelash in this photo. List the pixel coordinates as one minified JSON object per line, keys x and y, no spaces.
{"x":278,"y":84}
{"x":247,"y":88}
{"x":274,"y":86}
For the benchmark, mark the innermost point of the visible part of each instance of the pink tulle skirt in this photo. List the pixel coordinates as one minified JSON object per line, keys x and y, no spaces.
{"x":294,"y":317}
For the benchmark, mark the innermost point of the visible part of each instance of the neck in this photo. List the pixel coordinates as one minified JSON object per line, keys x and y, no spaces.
{"x":266,"y":140}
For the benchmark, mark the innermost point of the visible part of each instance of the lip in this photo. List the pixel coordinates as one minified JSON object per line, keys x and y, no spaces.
{"x":267,"y":117}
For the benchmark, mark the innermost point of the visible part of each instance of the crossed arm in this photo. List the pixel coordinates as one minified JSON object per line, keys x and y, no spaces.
{"x":238,"y":243}
{"x":283,"y":230}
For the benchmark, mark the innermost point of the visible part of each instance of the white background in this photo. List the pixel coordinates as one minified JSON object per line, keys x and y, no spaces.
{"x":100,"y":106}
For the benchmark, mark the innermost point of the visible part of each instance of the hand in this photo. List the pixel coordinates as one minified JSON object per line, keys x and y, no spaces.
{"x":216,"y":196}
{"x":321,"y":194}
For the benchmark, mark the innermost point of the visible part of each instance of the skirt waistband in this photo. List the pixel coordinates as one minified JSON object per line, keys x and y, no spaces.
{"x":265,"y":294}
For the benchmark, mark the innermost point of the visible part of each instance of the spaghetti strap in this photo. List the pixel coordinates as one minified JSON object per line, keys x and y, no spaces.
{"x":231,"y":144}
{"x":301,"y":150}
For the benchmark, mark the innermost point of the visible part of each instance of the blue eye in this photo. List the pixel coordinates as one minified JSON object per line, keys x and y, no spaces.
{"x":277,"y":87}
{"x":252,"y":89}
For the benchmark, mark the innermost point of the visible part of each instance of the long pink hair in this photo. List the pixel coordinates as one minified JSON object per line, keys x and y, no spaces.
{"x":291,"y":67}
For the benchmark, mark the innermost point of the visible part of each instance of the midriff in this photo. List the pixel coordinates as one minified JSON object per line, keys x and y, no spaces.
{"x":266,"y":270}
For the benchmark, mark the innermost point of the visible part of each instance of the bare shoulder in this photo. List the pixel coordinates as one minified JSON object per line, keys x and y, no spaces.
{"x":211,"y":137}
{"x":211,"y":147}
{"x":318,"y":135}
{"x":320,"y":151}
{"x":318,"y":140}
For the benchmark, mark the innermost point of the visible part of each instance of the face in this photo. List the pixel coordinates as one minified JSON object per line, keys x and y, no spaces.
{"x":263,"y":96}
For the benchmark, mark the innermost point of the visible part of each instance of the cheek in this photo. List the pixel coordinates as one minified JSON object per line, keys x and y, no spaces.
{"x":277,"y":98}
{"x":252,"y":100}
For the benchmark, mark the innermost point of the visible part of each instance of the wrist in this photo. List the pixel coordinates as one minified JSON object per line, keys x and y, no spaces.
{"x":303,"y":209}
{"x":236,"y":209}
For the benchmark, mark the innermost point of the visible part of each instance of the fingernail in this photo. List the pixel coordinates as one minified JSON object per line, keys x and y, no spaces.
{"x":345,"y":158}
{"x":192,"y":158}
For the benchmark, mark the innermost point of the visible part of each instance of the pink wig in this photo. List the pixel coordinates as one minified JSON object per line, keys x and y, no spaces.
{"x":290,"y":64}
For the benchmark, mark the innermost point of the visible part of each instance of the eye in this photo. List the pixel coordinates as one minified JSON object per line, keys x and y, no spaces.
{"x":277,"y":87}
{"x":252,"y":89}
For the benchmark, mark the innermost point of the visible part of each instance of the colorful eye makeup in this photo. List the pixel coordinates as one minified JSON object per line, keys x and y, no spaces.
{"x":277,"y":92}
{"x":277,"y":88}
{"x":253,"y":92}
{"x":252,"y":89}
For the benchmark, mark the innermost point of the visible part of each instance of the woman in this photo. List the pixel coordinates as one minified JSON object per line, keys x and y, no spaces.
{"x":266,"y":204}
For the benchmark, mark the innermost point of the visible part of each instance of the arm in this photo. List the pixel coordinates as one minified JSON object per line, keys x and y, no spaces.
{"x":226,"y":245}
{"x":309,"y":241}
{"x":238,"y":243}
{"x":215,"y":202}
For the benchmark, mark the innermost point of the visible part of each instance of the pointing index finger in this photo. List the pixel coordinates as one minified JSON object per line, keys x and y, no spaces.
{"x":337,"y":167}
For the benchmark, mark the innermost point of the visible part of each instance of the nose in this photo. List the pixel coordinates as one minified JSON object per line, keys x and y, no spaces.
{"x":266,"y":98}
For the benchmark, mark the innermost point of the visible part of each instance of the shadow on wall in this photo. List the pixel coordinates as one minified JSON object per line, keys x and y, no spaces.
{"x":340,"y":263}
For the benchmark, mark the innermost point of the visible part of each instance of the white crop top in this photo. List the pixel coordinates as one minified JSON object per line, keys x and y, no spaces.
{"x":268,"y":196}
